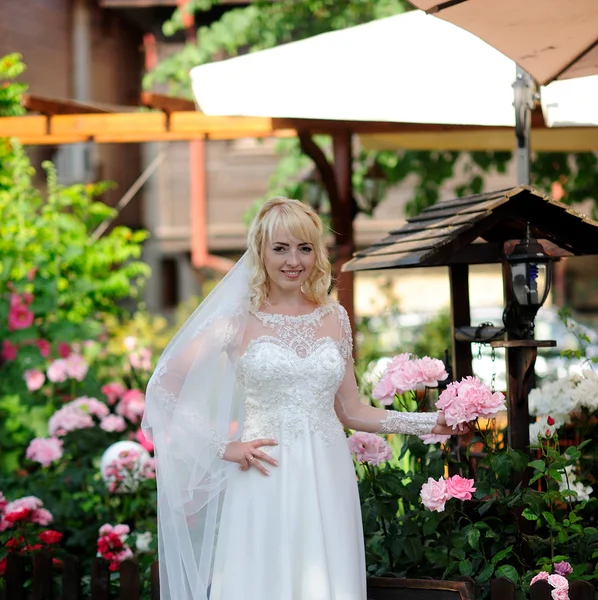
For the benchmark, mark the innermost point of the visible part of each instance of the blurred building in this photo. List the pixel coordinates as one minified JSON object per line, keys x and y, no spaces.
{"x":96,"y":51}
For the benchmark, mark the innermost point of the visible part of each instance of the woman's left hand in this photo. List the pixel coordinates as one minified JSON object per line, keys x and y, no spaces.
{"x":441,"y":428}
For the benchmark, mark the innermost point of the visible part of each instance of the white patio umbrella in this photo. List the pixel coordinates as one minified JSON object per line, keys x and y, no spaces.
{"x":410,"y":68}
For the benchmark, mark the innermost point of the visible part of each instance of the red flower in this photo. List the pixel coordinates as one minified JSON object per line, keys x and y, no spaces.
{"x":2,"y":566}
{"x":9,"y":351}
{"x":14,"y":543}
{"x":57,"y":563}
{"x":44,"y":347}
{"x":21,"y":514}
{"x":114,"y":566}
{"x":550,"y":421}
{"x":50,"y":536}
{"x":64,"y":350}
{"x":20,"y":317}
{"x":33,"y":547}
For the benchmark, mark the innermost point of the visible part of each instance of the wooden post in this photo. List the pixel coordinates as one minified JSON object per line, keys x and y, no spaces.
{"x":342,"y":219}
{"x":460,"y":317}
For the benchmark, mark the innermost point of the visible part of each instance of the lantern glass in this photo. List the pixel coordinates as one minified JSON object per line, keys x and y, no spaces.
{"x":530,"y":282}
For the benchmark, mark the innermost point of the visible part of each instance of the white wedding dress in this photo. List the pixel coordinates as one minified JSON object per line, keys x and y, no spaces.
{"x":297,"y":533}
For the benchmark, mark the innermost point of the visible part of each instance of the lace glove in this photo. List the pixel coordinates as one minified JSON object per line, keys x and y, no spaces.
{"x":218,"y":444}
{"x":409,"y":423}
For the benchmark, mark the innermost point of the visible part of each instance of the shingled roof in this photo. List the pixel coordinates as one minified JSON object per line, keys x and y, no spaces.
{"x":474,"y":229}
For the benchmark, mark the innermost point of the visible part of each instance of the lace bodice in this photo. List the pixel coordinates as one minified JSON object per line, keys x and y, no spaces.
{"x":290,"y":372}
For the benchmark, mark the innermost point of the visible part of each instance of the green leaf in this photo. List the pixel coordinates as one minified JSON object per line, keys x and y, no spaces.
{"x":509,"y":572}
{"x":465,"y":568}
{"x":519,"y":459}
{"x":501,"y":554}
{"x":539,"y":465}
{"x":529,"y":514}
{"x":549,"y":518}
{"x":485,"y":573}
{"x":473,"y":537}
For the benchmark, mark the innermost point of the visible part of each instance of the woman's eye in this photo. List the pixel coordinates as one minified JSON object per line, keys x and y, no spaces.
{"x":278,"y":249}
{"x":306,"y":249}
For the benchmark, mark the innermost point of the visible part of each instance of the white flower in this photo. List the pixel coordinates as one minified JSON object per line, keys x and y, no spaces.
{"x":541,"y":429}
{"x":570,"y":482}
{"x":143,"y":541}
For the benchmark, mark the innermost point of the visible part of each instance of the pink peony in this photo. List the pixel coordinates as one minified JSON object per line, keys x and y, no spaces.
{"x":76,"y":367}
{"x":432,"y":371}
{"x":113,"y":423}
{"x":34,"y":379}
{"x":406,"y":376}
{"x":9,"y":351}
{"x":19,"y":317}
{"x":558,"y":582}
{"x":459,"y":487}
{"x":384,"y":391}
{"x":113,"y":391}
{"x":369,"y":448}
{"x":64,"y":350}
{"x":434,"y":494}
{"x":132,"y":405}
{"x":434,"y":438}
{"x":44,"y":450}
{"x":539,"y":577}
{"x":44,"y":347}
{"x":57,"y":371}
{"x":140,"y":438}
{"x":563,"y":568}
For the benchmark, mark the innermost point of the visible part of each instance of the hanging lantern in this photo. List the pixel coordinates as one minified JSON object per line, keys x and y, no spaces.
{"x":530,"y":279}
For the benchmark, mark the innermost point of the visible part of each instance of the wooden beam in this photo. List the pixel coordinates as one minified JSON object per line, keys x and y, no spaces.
{"x":153,"y":122}
{"x":168,"y":104}
{"x":53,"y":106}
{"x":22,"y":126}
{"x":52,"y":140}
{"x":195,"y":121}
{"x":460,"y":317}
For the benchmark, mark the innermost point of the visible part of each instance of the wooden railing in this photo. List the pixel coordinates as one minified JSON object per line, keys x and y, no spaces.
{"x":36,"y":580}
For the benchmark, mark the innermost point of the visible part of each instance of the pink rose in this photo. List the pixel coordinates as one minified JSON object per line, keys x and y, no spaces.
{"x":459,"y":487}
{"x":132,"y":405}
{"x":558,"y":582}
{"x":34,"y":379}
{"x":432,"y":371}
{"x":113,"y":391}
{"x":539,"y":577}
{"x":559,"y":594}
{"x":44,"y":347}
{"x":121,"y":530}
{"x":563,"y":568}
{"x":434,"y":494}
{"x":384,"y":391}
{"x":70,"y":417}
{"x":9,"y":351}
{"x":76,"y":367}
{"x":369,"y":448}
{"x":406,"y":376}
{"x":113,"y":423}
{"x":57,"y":371}
{"x":19,"y":317}
{"x":44,"y":450}
{"x":141,"y":439}
{"x":434,"y":438}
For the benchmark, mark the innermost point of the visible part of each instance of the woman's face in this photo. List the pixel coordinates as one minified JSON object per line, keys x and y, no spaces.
{"x":288,"y":260}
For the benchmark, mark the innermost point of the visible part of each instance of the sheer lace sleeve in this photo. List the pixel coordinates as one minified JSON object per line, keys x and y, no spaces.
{"x":356,"y":414}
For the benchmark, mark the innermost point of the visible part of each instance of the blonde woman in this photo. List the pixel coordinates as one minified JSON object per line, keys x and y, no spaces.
{"x":257,"y":496}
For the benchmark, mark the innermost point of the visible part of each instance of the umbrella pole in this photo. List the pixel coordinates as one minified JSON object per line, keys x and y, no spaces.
{"x":523,"y":103}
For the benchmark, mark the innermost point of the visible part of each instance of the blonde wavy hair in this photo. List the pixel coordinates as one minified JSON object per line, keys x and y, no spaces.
{"x":303,"y":223}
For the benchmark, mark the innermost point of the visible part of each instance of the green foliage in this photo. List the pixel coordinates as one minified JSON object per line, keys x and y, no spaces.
{"x":434,"y":338}
{"x":11,"y":92}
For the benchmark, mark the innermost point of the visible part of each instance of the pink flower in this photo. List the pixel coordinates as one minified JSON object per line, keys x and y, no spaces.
{"x":132,"y":405}
{"x":406,"y":376}
{"x":30,"y":502}
{"x":121,"y":530}
{"x":369,"y":448}
{"x":432,"y":371}
{"x":44,"y":450}
{"x":558,"y":582}
{"x":76,"y":367}
{"x":139,"y":437}
{"x":384,"y":391}
{"x":92,"y":406}
{"x":434,"y":494}
{"x":141,"y":359}
{"x":459,"y":487}
{"x":19,"y":317}
{"x":559,"y":594}
{"x":9,"y":351}
{"x":113,"y":423}
{"x":69,"y":418}
{"x":563,"y":568}
{"x":434,"y":438}
{"x":113,"y":391}
{"x":34,"y":379}
{"x":57,"y":371}
{"x":539,"y":577}
{"x":31,"y":274}
{"x":64,"y":350}
{"x":44,"y":347}
{"x":41,"y":516}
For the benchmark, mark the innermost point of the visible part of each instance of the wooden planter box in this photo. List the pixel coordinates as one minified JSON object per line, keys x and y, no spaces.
{"x":390,"y":588}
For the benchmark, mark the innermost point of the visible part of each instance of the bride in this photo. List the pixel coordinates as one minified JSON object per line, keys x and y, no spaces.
{"x":257,"y":495}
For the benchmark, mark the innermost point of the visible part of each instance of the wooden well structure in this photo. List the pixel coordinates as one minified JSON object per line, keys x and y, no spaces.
{"x":483,"y":229}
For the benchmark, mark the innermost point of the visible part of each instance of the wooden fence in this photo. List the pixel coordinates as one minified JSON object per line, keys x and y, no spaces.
{"x":35,"y":580}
